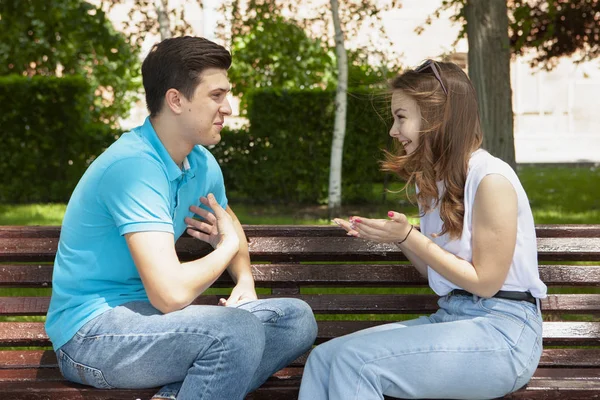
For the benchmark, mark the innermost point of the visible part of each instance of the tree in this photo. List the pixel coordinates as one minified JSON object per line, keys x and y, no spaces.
{"x":164,"y":23}
{"x":489,"y":70}
{"x":348,"y":16}
{"x":339,"y":128}
{"x":70,"y":37}
{"x":152,"y":16}
{"x":554,"y":29}
{"x":550,"y":29}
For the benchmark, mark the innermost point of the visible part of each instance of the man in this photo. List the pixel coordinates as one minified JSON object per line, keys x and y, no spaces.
{"x":120,"y":315}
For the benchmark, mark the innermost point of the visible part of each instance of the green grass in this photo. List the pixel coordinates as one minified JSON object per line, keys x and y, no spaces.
{"x":558,"y":195}
{"x":563,"y":195}
{"x":32,"y":214}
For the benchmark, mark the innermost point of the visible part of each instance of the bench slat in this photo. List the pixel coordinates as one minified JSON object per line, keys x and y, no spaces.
{"x":273,"y":389}
{"x":343,"y":303}
{"x":281,"y":249}
{"x":346,"y":275}
{"x":553,"y":358}
{"x":548,"y":230}
{"x":286,"y":249}
{"x":546,"y":384}
{"x":14,"y":334}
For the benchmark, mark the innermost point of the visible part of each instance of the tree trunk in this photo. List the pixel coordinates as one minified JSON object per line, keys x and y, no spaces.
{"x":339,"y":128}
{"x":489,"y":70}
{"x":162,"y":11}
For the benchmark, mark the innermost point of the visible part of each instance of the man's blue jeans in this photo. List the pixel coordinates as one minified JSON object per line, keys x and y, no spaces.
{"x":471,"y":348}
{"x":200,"y":352}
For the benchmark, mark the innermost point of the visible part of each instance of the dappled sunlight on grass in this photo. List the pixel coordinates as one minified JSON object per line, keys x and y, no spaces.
{"x":32,"y":214}
{"x":556,"y":216}
{"x":563,"y":194}
{"x":557,"y":194}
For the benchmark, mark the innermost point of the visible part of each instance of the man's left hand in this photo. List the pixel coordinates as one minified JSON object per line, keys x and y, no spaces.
{"x":241,"y":293}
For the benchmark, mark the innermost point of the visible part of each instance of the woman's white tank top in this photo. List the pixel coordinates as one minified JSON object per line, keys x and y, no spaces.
{"x":523,"y":274}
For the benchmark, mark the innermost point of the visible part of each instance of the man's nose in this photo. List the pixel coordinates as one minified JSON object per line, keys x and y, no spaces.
{"x":226,"y":107}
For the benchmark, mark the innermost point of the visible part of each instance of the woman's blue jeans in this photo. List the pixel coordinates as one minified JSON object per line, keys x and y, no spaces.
{"x":200,"y":352}
{"x":471,"y":348}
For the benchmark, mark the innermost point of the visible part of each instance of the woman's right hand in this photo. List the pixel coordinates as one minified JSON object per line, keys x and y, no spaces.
{"x":216,"y":228}
{"x":392,"y":230}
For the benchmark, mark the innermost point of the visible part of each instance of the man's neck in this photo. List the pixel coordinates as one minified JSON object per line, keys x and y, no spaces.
{"x":170,"y":136}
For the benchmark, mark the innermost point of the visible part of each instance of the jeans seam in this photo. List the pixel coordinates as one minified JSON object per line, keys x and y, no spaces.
{"x":214,"y":338}
{"x":275,"y":310}
{"x":501,"y":315}
{"x":217,"y":367}
{"x":360,"y":374}
{"x":144,"y":335}
{"x":531,"y":355}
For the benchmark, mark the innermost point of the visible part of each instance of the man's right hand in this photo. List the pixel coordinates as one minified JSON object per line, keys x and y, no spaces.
{"x":171,"y":285}
{"x":216,"y":228}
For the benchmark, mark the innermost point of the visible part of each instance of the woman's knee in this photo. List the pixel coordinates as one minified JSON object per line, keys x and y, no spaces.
{"x":323,"y":355}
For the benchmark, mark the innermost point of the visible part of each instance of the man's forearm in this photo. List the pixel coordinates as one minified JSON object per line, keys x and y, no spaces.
{"x":239,"y":268}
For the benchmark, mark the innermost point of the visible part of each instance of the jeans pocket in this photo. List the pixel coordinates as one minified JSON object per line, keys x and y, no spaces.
{"x":262,"y":310}
{"x":509,"y":310}
{"x":81,"y":373}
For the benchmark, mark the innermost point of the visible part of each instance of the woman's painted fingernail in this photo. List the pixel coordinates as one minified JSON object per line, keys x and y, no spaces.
{"x":390,"y":214}
{"x":357,"y":220}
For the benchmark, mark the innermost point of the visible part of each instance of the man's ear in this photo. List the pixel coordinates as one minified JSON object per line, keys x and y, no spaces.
{"x":173,"y":100}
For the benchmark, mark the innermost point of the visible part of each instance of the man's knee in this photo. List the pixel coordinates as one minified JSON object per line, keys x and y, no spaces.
{"x":301,"y":322}
{"x":245,"y":330}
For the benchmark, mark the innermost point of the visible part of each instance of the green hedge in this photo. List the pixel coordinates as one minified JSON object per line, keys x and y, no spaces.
{"x":48,"y":139}
{"x":285,"y":154}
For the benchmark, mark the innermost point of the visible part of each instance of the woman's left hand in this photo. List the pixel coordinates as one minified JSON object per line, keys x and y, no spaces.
{"x":390,"y":230}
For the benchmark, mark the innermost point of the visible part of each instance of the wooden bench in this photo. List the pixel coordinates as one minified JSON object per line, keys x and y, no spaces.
{"x":291,"y":261}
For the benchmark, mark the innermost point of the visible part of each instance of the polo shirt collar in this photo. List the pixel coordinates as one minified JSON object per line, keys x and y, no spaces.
{"x":173,"y":170}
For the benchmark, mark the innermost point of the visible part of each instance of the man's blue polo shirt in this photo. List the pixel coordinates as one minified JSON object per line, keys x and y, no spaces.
{"x":133,"y":186}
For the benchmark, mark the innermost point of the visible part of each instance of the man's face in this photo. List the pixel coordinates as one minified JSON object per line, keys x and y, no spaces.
{"x":204,"y":114}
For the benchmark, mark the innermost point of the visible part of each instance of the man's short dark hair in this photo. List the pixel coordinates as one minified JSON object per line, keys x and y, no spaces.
{"x":178,"y":63}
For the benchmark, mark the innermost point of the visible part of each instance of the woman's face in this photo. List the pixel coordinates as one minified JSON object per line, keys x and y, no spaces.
{"x":407,"y":120}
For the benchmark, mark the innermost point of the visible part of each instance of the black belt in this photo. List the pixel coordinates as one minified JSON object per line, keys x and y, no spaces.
{"x":502,"y":294}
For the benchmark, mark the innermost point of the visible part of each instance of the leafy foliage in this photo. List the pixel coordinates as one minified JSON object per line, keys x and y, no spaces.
{"x":285,"y":154}
{"x":48,"y":137}
{"x":551,"y":28}
{"x":143,"y":19}
{"x":555,"y":29}
{"x":70,"y":37}
{"x":278,"y":53}
{"x":274,"y":45}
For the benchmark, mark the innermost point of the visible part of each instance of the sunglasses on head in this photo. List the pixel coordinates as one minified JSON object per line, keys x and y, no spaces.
{"x":436,"y":72}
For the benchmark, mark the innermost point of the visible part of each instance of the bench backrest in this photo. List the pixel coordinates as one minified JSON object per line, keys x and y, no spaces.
{"x":329,"y":270}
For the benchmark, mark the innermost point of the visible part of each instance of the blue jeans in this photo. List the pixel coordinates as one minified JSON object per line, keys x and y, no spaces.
{"x":471,"y":348}
{"x":200,"y":352}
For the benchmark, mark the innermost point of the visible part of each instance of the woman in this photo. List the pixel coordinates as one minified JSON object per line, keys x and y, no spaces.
{"x":476,"y":246}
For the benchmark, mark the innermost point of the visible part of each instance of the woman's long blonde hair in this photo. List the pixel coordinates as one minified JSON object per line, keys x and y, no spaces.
{"x":450,"y":132}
